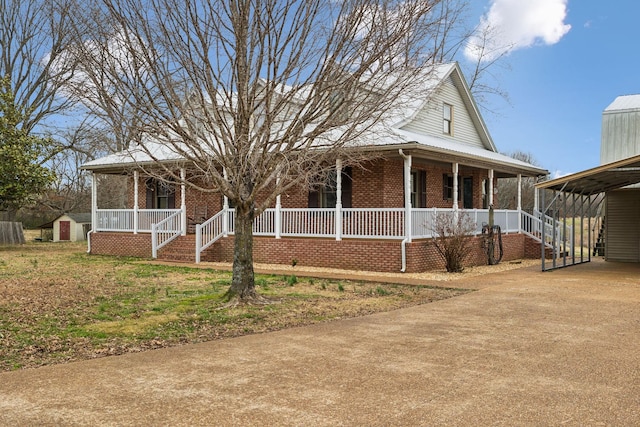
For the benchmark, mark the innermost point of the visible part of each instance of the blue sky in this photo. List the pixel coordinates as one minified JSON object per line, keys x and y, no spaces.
{"x":560,"y":79}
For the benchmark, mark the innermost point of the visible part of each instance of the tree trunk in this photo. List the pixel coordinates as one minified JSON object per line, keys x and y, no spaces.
{"x":243,"y":285}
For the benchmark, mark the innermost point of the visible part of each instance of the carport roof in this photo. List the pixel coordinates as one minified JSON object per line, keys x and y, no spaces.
{"x":599,"y":179}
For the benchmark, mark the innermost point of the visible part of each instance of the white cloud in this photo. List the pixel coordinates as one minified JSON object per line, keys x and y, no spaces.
{"x":516,"y":24}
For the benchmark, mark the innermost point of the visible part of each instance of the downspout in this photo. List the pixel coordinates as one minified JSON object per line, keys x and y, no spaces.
{"x":407,"y":208}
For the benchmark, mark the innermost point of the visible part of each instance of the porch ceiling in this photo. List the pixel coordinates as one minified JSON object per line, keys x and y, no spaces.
{"x":599,"y":179}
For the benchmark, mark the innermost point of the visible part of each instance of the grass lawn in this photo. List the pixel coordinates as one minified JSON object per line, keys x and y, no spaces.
{"x":58,"y":304}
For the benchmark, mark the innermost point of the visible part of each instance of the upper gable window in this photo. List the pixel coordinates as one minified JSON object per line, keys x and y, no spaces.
{"x":447,"y":119}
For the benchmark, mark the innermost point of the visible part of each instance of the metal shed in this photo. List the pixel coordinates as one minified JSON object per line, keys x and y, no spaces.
{"x":606,"y":210}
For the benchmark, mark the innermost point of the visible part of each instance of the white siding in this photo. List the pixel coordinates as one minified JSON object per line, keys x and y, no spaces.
{"x":622,"y":241}
{"x":429,"y":120}
{"x":76,"y":232}
{"x":620,"y":135}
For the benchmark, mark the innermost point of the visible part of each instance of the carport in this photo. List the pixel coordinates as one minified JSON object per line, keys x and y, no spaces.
{"x":593,"y":212}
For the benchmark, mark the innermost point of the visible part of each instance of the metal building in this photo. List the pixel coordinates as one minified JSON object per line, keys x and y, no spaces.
{"x":597,"y":211}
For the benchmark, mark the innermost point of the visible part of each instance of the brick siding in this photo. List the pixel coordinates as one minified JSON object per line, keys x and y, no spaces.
{"x":121,"y":244}
{"x":379,"y":184}
{"x":349,"y":254}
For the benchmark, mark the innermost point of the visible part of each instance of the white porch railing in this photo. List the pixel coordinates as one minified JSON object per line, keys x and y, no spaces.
{"x":374,"y":223}
{"x":563,"y":236}
{"x":165,"y":231}
{"x":366,"y":223}
{"x":123,"y":219}
{"x":422,"y":220}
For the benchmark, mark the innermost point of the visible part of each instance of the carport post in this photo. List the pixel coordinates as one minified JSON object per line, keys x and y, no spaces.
{"x":589,"y":229}
{"x":564,"y":230}
{"x":540,"y":192}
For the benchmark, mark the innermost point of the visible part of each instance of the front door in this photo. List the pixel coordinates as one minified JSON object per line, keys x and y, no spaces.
{"x":65,"y":230}
{"x":467,"y":193}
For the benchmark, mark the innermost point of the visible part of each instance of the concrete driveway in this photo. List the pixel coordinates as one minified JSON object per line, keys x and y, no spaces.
{"x":528,"y":348}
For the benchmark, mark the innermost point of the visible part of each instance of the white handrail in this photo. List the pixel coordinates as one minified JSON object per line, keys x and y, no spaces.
{"x":209,"y":232}
{"x":165,"y":231}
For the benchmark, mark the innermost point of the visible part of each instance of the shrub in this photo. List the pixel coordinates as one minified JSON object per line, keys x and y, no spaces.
{"x":452,"y":232}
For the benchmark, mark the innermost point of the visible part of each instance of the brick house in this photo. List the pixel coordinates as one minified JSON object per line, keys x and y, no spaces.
{"x":438,"y":158}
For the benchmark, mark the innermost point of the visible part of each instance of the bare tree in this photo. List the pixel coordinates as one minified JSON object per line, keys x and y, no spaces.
{"x":260,"y":97}
{"x":485,"y":59}
{"x":508,"y":187}
{"x":35,"y":34}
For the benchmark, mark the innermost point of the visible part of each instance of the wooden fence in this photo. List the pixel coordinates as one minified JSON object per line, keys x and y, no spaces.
{"x":11,"y":233}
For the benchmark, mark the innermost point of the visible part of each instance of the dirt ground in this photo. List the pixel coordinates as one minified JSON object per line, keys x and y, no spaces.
{"x":529,"y":348}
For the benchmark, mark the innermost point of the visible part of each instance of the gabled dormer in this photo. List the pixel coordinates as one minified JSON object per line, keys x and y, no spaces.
{"x":448,"y":111}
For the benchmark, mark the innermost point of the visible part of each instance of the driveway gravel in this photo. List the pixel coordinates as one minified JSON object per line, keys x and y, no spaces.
{"x":528,"y":348}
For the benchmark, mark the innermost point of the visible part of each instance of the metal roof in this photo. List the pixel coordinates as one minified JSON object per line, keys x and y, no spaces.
{"x":465,"y":153}
{"x":625,"y":102}
{"x":599,"y":179}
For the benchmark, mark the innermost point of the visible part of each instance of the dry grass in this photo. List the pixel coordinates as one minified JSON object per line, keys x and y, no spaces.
{"x":58,"y":304}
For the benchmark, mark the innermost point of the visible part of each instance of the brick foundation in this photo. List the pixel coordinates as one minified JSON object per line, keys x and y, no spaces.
{"x":349,"y":254}
{"x":121,"y":244}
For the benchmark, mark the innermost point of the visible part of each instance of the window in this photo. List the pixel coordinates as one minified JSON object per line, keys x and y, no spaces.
{"x":326,"y":197}
{"x":465,"y":190}
{"x":447,"y":119}
{"x":447,"y":187}
{"x":160,"y":195}
{"x":418,"y":189}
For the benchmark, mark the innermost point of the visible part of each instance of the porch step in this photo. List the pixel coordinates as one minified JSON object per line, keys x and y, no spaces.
{"x":183,"y":249}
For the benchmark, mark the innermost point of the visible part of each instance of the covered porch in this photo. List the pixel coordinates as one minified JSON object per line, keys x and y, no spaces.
{"x":407,"y":214}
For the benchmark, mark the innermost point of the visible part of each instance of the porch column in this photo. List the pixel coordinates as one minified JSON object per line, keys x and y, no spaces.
{"x":183,"y":201}
{"x":490,"y":187}
{"x":407,"y":196}
{"x":94,"y":202}
{"x":136,"y":202}
{"x":455,"y":186}
{"x":519,"y":207}
{"x":225,"y":209}
{"x":278,"y":213}
{"x":338,"y":199}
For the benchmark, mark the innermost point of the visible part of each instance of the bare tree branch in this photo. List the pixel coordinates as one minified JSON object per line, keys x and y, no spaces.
{"x":34,"y":35}
{"x":259,"y":97}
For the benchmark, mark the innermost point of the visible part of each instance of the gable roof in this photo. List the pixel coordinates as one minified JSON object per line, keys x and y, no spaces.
{"x":80,"y":218}
{"x":441,"y":74}
{"x":385,"y":134}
